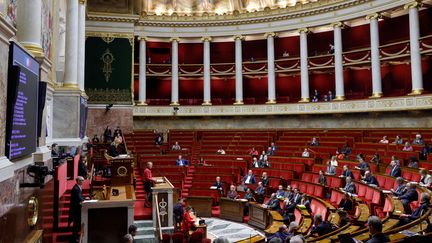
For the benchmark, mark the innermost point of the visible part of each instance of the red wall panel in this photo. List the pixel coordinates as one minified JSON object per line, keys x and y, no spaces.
{"x":158,"y":88}
{"x":158,"y":52}
{"x":223,"y":90}
{"x":191,"y":53}
{"x":256,"y":49}
{"x":290,"y":44}
{"x":222,"y":52}
{"x":191,"y":88}
{"x":323,"y":82}
{"x":396,"y":79}
{"x":425,"y":22}
{"x":318,"y":43}
{"x":355,"y":37}
{"x":255,"y":89}
{"x":288,"y":86}
{"x":387,"y":28}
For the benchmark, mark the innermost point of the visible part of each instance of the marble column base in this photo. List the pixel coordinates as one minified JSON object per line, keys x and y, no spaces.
{"x":66,"y":116}
{"x":6,"y":168}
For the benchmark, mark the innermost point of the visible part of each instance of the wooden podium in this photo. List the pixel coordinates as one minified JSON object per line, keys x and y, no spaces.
{"x":122,"y":171}
{"x":232,"y":209}
{"x":163,"y":193}
{"x":258,"y":216}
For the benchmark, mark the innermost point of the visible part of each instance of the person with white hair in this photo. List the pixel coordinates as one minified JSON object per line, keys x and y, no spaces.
{"x":75,"y":208}
{"x":423,"y":208}
{"x":418,"y":140}
{"x":297,"y":239}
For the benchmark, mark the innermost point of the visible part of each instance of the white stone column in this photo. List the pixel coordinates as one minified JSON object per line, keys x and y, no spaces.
{"x":271,"y":79}
{"x":238,"y":70}
{"x":375,"y":55}
{"x":174,"y":72}
{"x":29,"y":25}
{"x":71,"y":56}
{"x":81,"y":42}
{"x":142,"y":98}
{"x":304,"y":69}
{"x":340,"y":92}
{"x":207,"y":77}
{"x":416,"y":68}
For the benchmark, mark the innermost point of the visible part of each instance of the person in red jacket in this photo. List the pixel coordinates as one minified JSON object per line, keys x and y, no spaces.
{"x":188,"y":220}
{"x":148,"y":183}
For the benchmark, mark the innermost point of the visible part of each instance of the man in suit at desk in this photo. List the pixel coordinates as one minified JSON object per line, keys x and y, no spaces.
{"x":273,"y":203}
{"x":232,"y":193}
{"x":370,"y":179}
{"x":400,"y":189}
{"x":181,"y":162}
{"x":409,"y":196}
{"x":424,"y":206}
{"x":296,"y":199}
{"x":346,"y":172}
{"x":75,"y":208}
{"x":395,"y":169}
{"x":249,"y":178}
{"x":349,"y":186}
{"x":219,"y":185}
{"x":320,"y":227}
{"x":260,"y":191}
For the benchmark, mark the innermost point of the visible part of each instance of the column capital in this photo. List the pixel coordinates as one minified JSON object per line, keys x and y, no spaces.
{"x":206,"y":38}
{"x":338,"y":24}
{"x":303,"y":30}
{"x":240,"y":37}
{"x":413,"y":4}
{"x":373,"y":16}
{"x":144,"y":38}
{"x":272,"y":34}
{"x":177,"y":39}
{"x":82,"y":1}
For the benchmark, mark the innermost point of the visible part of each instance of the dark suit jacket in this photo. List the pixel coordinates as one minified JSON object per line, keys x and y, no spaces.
{"x":185,"y":162}
{"x":178,"y":212}
{"x":347,"y":204}
{"x":322,"y":229}
{"x":265,"y":181}
{"x":347,"y":173}
{"x":419,"y":211}
{"x":409,"y":196}
{"x":395,"y":171}
{"x":251,"y":181}
{"x":274,"y":204}
{"x":350,"y":188}
{"x":260,"y":190}
{"x":296,"y":199}
{"x":75,"y":203}
{"x":400,"y":190}
{"x":378,"y":238}
{"x":371,"y":180}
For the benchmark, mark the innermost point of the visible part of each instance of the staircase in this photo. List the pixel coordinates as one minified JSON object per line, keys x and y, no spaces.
{"x":140,"y":212}
{"x":145,"y":232}
{"x":187,"y":184}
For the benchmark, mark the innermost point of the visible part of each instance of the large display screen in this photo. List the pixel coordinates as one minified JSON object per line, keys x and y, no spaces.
{"x":22,"y":103}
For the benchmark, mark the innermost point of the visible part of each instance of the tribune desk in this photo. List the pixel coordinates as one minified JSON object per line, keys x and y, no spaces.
{"x":106,"y":220}
{"x":232,"y":209}
{"x":258,"y":216}
{"x":163,"y":193}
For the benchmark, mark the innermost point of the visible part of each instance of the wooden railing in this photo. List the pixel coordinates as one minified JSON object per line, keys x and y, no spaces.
{"x":158,"y":219}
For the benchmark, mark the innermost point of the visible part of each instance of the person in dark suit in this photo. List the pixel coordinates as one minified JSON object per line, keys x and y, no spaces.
{"x":273,"y":203}
{"x":345,"y":203}
{"x":117,"y":147}
{"x":314,"y":142}
{"x":346,"y":172}
{"x":82,"y":166}
{"x":349,"y":186}
{"x":320,"y":227}
{"x":322,"y":178}
{"x":249,"y":178}
{"x":400,"y":189}
{"x":409,"y":196}
{"x":219,"y":185}
{"x":296,"y":199}
{"x":375,"y":230}
{"x":424,"y":206}
{"x":370,"y":179}
{"x":181,"y":162}
{"x":232,"y":193}
{"x":178,"y":214}
{"x":265,"y":179}
{"x":395,"y":170}
{"x":260,"y":191}
{"x":75,"y":208}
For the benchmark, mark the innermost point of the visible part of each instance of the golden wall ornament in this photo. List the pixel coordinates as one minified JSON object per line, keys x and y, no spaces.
{"x":108,"y":39}
{"x":107,"y":58}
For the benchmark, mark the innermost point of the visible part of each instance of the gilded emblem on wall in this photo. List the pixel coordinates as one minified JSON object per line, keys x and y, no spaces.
{"x":107,"y":59}
{"x":32,"y":211}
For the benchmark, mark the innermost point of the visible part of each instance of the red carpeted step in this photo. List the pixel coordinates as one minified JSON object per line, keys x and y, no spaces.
{"x":246,"y":219}
{"x":215,"y":211}
{"x":141,"y":212}
{"x":187,"y":186}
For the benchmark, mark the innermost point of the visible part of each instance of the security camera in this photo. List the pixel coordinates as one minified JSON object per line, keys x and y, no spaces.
{"x":38,"y":172}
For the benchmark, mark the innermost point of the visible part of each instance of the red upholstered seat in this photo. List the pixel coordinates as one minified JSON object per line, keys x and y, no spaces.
{"x":310,"y":189}
{"x":361,"y":190}
{"x":177,"y":237}
{"x":166,"y":238}
{"x":196,"y":237}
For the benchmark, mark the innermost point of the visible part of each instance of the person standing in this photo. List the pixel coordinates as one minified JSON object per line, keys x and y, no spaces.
{"x":148,"y":183}
{"x":178,"y":214}
{"x":75,"y":208}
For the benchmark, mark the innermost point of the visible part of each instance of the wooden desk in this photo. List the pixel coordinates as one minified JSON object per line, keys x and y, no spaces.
{"x":98,"y":216}
{"x":201,"y":204}
{"x":258,"y":216}
{"x":232,"y":209}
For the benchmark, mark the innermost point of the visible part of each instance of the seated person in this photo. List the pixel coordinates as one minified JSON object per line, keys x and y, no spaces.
{"x":220,"y":151}
{"x":375,"y":230}
{"x":384,"y":140}
{"x":296,"y":198}
{"x":395,"y":170}
{"x":349,"y":186}
{"x":280,"y":193}
{"x":289,"y":193}
{"x":260,"y":192}
{"x":423,"y":208}
{"x":219,"y":185}
{"x":413,"y":163}
{"x":116,"y":148}
{"x":346,"y":172}
{"x":256,"y":163}
{"x":320,"y":227}
{"x":345,"y":203}
{"x":263,"y":159}
{"x":376,"y":158}
{"x":264,"y":179}
{"x":305,"y":153}
{"x":159,"y":139}
{"x":202,"y":162}
{"x":343,"y":219}
{"x":314,"y":142}
{"x":249,"y":195}
{"x":273,"y":148}
{"x":305,"y":201}
{"x":369,"y":179}
{"x":249,"y":178}
{"x":188,"y":220}
{"x":176,"y":147}
{"x":331,"y":169}
{"x":273,"y":203}
{"x":253,"y":152}
{"x":407,"y":147}
{"x":322,"y":178}
{"x":346,"y":151}
{"x":282,"y":234}
{"x":409,"y":196}
{"x":425,"y":151}
{"x":82,"y":166}
{"x":363,"y":165}
{"x":418,"y":140}
{"x":232,"y":193}
{"x":181,"y":162}
{"x":425,"y":178}
{"x":334,"y":161}
{"x":398,"y":140}
{"x":401,"y":187}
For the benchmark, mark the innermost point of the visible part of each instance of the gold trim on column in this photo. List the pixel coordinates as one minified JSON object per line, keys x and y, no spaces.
{"x":339,"y":98}
{"x":142,"y":103}
{"x":413,"y":4}
{"x":373,"y":16}
{"x":206,"y":102}
{"x":36,"y":50}
{"x":238,"y":102}
{"x":304,"y":30}
{"x":240,"y":37}
{"x":142,"y":38}
{"x":84,"y":95}
{"x":174,"y":39}
{"x":174,"y":103}
{"x":304,"y":100}
{"x":206,"y":38}
{"x":82,"y":1}
{"x":416,"y":92}
{"x":376,"y":95}
{"x":272,"y":34}
{"x":271,"y":101}
{"x":70,"y":86}
{"x":338,"y":24}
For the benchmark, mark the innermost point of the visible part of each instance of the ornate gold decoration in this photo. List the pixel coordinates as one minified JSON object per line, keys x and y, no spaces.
{"x":271,"y":101}
{"x":109,"y":34}
{"x":108,"y":39}
{"x":304,"y":30}
{"x":240,"y":37}
{"x":206,"y":38}
{"x":174,"y":103}
{"x":206,"y":102}
{"x":238,"y":102}
{"x":413,"y":4}
{"x":109,"y":96}
{"x":107,"y":58}
{"x":33,"y":211}
{"x":122,"y":171}
{"x":272,"y":34}
{"x":376,"y":95}
{"x":416,"y":92}
{"x":338,"y":24}
{"x":373,"y":16}
{"x":142,"y":103}
{"x":340,"y":97}
{"x":304,"y":100}
{"x":142,"y":38}
{"x":72,"y":86}
{"x":36,"y":50}
{"x":82,"y":1}
{"x":177,"y":39}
